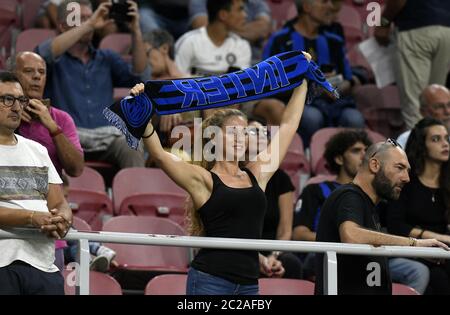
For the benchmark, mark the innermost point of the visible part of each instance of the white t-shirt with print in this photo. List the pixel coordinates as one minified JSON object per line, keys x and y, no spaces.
{"x":195,"y":50}
{"x":25,"y":174}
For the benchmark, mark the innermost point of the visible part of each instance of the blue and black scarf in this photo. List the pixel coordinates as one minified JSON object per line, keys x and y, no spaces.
{"x":276,"y":74}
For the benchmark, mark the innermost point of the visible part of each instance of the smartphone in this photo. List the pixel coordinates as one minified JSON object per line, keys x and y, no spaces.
{"x":119,"y":10}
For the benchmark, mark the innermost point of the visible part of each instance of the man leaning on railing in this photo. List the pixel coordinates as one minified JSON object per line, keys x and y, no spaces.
{"x":349,"y":215}
{"x":30,"y":196}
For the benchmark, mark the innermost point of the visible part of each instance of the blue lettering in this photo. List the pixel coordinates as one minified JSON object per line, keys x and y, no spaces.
{"x":191,"y":91}
{"x":259,"y":77}
{"x":282,"y":77}
{"x":211,"y":85}
{"x":238,"y":84}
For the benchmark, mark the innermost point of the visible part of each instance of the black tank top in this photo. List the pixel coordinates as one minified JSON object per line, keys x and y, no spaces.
{"x":232,"y":213}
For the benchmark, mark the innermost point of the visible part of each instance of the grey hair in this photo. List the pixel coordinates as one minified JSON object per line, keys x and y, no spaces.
{"x":62,"y":8}
{"x":159,"y":37}
{"x":11,"y":62}
{"x":379,"y":148}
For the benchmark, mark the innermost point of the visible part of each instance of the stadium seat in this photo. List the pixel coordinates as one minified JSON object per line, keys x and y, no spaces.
{"x":118,"y":42}
{"x":140,"y":180}
{"x":29,"y":39}
{"x":30,"y":9}
{"x":352,"y":24}
{"x":281,"y":12}
{"x":401,"y":289}
{"x":318,"y":141}
{"x":143,"y":257}
{"x":274,"y":286}
{"x":90,"y":179}
{"x":91,"y":206}
{"x":381,"y":108}
{"x":320,"y":178}
{"x":99,"y":284}
{"x":167,"y":285}
{"x":80,"y":225}
{"x":9,"y":22}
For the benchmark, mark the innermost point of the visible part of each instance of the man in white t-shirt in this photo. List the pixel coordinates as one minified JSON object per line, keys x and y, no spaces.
{"x":434,"y":103}
{"x":215,"y":49}
{"x":30,"y":196}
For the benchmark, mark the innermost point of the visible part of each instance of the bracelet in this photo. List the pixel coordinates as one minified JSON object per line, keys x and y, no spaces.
{"x":31,"y":218}
{"x":421,"y":233}
{"x":151,"y":134}
{"x":412,"y":241}
{"x":56,"y":133}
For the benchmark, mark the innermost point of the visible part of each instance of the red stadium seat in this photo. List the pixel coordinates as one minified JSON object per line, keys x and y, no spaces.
{"x":273,"y":286}
{"x":80,"y":225}
{"x":401,"y":289}
{"x":167,"y":285}
{"x":90,"y":179}
{"x":318,"y":141}
{"x":99,"y":283}
{"x":140,"y":257}
{"x":30,"y":9}
{"x":281,"y":12}
{"x":29,"y":39}
{"x":140,"y":180}
{"x":320,"y":178}
{"x":9,"y":21}
{"x":381,"y":108}
{"x":91,"y":206}
{"x":352,"y":24}
{"x":118,"y":42}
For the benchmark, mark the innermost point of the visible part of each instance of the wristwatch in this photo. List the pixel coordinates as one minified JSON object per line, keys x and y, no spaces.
{"x":385,"y":22}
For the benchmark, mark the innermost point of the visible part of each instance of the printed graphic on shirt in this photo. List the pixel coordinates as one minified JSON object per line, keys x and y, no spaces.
{"x":23,"y":183}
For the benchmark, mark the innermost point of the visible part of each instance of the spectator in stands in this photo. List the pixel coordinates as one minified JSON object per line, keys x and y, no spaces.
{"x":216,"y":49}
{"x":51,"y":127}
{"x":81,"y":81}
{"x":171,"y":15}
{"x":435,"y":103}
{"x":226,"y":200}
{"x":328,"y":50}
{"x":256,"y":28}
{"x":31,"y":196}
{"x":280,"y":195}
{"x":422,"y":209}
{"x":423,"y":44}
{"x":344,"y":154}
{"x":349,"y":215}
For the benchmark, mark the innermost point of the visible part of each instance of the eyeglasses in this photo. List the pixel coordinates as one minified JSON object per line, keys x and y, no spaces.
{"x":9,"y":100}
{"x":391,"y":141}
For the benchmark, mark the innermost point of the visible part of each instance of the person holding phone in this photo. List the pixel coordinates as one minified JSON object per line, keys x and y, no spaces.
{"x":81,"y":79}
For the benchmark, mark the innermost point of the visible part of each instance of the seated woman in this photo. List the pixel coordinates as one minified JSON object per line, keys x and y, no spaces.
{"x":423,"y":206}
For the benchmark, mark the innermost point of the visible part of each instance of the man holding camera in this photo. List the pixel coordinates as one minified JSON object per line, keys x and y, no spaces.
{"x":81,"y":78}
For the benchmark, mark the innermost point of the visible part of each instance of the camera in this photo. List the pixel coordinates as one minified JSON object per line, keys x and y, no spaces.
{"x":119,"y":10}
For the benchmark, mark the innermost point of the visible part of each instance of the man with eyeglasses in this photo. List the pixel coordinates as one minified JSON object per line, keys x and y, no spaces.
{"x":30,"y":196}
{"x":349,"y":215}
{"x":434,"y":103}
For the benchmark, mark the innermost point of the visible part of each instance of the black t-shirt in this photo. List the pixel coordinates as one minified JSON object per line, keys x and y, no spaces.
{"x":421,"y":13}
{"x":350,"y":203}
{"x":313,"y":197}
{"x":279,"y":184}
{"x":416,"y":208}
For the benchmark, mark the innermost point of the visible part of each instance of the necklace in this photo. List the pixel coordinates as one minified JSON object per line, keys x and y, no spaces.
{"x":433,"y":199}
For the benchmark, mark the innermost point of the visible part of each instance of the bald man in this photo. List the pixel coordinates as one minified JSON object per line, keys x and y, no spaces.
{"x":349,"y":215}
{"x":51,"y":127}
{"x":434,"y":103}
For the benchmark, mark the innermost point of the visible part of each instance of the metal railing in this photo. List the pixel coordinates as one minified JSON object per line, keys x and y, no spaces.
{"x":330,"y":250}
